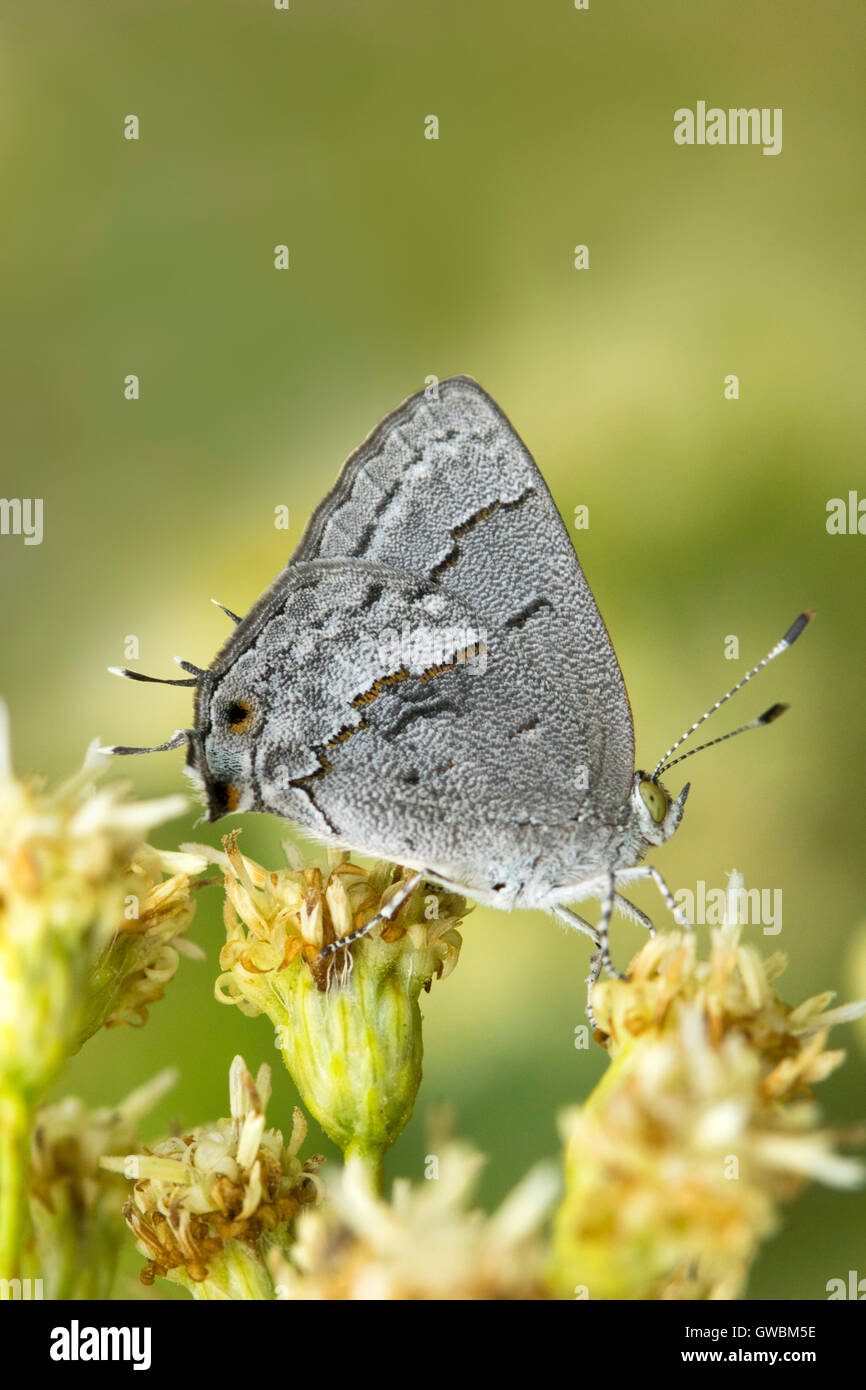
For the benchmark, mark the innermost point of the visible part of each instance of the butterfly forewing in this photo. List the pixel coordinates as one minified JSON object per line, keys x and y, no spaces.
{"x":444,"y":487}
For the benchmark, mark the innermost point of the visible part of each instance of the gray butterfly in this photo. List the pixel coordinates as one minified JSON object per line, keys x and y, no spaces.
{"x":429,"y":681}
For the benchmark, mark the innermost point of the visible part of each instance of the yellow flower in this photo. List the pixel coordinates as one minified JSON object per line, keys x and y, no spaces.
{"x":74,"y":868}
{"x":207,"y":1205}
{"x":702,"y":1125}
{"x":350,"y":1028}
{"x":133,"y":968}
{"x":426,"y":1243}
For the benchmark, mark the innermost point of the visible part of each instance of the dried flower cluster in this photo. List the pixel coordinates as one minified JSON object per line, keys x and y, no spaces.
{"x":92,"y":920}
{"x":90,"y":926}
{"x":675,"y":1167}
{"x":206,"y":1204}
{"x":702,"y":1125}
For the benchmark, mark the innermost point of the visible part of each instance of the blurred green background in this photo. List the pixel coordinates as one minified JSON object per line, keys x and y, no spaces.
{"x":412,"y":257}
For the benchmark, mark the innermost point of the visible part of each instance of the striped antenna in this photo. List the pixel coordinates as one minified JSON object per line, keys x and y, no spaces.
{"x":228,"y":612}
{"x":177,"y":740}
{"x":797,"y":627}
{"x":152,"y":680}
{"x":188,"y":666}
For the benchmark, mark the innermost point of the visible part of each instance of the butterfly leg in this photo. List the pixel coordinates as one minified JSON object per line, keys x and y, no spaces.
{"x":629,"y":910}
{"x":650,"y":871}
{"x":600,"y":959}
{"x":388,"y":913}
{"x":604,"y":925}
{"x":595,"y":968}
{"x":579,"y":923}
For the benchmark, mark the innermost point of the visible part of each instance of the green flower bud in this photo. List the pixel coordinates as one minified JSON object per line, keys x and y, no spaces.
{"x":349,"y":1029}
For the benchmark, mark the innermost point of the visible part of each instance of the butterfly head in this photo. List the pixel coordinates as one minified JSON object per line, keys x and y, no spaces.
{"x":653,"y":811}
{"x":221,"y":746}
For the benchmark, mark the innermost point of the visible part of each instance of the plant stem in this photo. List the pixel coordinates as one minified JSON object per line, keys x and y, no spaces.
{"x":371,"y":1157}
{"x":14,"y":1159}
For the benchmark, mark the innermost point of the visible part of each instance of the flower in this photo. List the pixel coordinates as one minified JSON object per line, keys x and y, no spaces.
{"x":423,"y":1244}
{"x":703,"y":1124}
{"x":74,"y":1204}
{"x":350,"y":1030}
{"x":133,"y":968}
{"x":207,"y":1204}
{"x":74,"y":872}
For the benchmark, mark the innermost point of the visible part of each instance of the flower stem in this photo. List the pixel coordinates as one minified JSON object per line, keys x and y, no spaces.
{"x":371,"y":1157}
{"x":14,"y":1157}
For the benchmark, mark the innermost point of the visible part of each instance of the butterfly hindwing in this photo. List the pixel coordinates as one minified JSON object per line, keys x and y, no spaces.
{"x":372,"y":707}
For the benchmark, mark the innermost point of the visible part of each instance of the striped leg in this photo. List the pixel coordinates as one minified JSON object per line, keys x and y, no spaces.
{"x":650,"y":871}
{"x":579,"y":923}
{"x":629,"y":910}
{"x":600,"y":959}
{"x":388,"y":913}
{"x":604,"y":926}
{"x":595,"y":966}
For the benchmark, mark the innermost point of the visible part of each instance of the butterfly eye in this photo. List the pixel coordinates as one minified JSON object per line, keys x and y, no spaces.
{"x":655,"y":800}
{"x":237,"y":716}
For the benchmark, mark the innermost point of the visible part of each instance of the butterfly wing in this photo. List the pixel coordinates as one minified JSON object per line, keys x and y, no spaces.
{"x":369,"y":705}
{"x":444,"y":487}
{"x":465,"y":767}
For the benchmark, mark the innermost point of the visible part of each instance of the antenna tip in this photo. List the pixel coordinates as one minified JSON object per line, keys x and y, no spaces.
{"x":228,"y":612}
{"x":116,"y":670}
{"x":798,"y":625}
{"x":771,"y":714}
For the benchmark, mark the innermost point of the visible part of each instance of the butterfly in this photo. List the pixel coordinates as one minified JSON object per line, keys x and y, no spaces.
{"x":429,"y":681}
